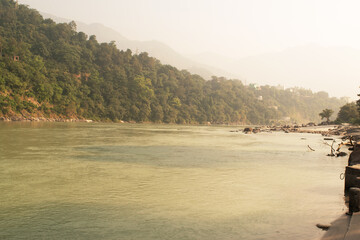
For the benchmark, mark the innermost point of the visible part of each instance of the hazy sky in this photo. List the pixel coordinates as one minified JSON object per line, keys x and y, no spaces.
{"x":235,"y":28}
{"x":238,"y":29}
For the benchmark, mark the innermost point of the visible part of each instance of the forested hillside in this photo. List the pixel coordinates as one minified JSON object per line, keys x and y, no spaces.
{"x":51,"y":70}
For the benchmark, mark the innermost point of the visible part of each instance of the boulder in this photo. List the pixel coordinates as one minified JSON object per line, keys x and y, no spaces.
{"x":248,"y":130}
{"x":256,"y":130}
{"x":341,"y":154}
{"x":354,"y":157}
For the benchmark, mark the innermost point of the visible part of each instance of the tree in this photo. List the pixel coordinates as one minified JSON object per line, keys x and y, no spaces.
{"x":326,"y":113}
{"x":72,"y":24}
{"x":348,"y":113}
{"x":358,"y":108}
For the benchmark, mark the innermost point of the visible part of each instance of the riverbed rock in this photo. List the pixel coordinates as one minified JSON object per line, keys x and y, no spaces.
{"x":324,"y":227}
{"x":256,"y":130}
{"x":341,"y":154}
{"x":248,"y":130}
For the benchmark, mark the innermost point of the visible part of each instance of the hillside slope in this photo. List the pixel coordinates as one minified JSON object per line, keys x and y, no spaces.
{"x":157,"y":49}
{"x":49,"y":69}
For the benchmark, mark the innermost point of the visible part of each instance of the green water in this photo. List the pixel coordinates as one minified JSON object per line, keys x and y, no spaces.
{"x":123,"y":181}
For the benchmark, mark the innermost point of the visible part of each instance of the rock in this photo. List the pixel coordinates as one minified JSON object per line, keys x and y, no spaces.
{"x":256,"y":130}
{"x":248,"y":130}
{"x":324,"y":227}
{"x":341,"y":154}
{"x":354,"y":157}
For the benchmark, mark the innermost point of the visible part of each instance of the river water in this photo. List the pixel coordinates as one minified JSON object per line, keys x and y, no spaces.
{"x":129,"y":181}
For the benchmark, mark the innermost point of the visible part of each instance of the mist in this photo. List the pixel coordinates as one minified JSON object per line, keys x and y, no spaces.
{"x":309,"y":44}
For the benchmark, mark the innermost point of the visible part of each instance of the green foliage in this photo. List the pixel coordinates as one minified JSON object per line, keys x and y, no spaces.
{"x":358,"y":104}
{"x":348,"y":114}
{"x":66,"y":73}
{"x":326,"y":113}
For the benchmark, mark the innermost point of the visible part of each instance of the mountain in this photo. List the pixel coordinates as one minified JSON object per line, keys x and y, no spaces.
{"x":156,"y":49}
{"x":51,"y":70}
{"x":214,"y":59}
{"x":330,"y":69}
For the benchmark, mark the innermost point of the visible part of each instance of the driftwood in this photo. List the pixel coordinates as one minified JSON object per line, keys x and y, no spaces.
{"x":340,"y":145}
{"x":311,"y":148}
{"x":332,"y":148}
{"x":351,"y":143}
{"x":336,"y":152}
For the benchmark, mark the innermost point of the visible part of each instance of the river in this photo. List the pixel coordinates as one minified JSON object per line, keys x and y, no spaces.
{"x":144,"y":181}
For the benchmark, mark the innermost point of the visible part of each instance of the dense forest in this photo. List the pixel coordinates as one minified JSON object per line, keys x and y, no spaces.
{"x":51,"y":70}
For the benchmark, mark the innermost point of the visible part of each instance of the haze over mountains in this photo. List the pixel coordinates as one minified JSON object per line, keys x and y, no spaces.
{"x":157,"y":49}
{"x":330,"y":69}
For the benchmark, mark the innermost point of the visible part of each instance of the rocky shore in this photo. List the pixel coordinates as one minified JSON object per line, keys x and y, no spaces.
{"x":347,"y":226}
{"x":343,"y":131}
{"x":42,"y":119}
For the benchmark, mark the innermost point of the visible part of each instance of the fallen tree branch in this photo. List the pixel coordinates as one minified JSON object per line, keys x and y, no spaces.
{"x":340,"y":145}
{"x":332,"y":148}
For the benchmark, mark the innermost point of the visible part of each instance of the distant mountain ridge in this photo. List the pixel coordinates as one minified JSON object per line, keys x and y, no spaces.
{"x":156,"y":49}
{"x":330,"y":69}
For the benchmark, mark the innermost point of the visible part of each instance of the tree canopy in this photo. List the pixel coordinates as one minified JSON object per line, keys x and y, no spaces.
{"x":326,"y":113}
{"x":49,"y":69}
{"x":348,"y":114}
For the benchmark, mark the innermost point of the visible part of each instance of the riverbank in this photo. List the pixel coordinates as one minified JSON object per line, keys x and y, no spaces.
{"x":343,"y":131}
{"x":42,"y":119}
{"x":347,"y":226}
